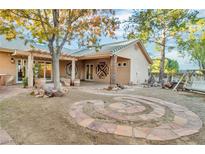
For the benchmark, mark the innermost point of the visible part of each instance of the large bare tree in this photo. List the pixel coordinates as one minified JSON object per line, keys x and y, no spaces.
{"x":56,"y":27}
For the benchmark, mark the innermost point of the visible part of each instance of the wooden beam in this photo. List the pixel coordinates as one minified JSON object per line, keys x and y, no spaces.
{"x":95,"y":56}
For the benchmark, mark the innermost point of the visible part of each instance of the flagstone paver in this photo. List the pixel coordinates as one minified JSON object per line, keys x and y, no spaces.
{"x":131,"y":108}
{"x":5,"y":138}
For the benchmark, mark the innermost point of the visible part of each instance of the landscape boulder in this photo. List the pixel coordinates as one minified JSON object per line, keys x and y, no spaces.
{"x":65,"y":82}
{"x":46,"y":90}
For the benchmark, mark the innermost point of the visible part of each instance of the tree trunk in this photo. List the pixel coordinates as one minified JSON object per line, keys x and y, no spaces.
{"x":162,"y":61}
{"x":203,"y":70}
{"x":56,"y":71}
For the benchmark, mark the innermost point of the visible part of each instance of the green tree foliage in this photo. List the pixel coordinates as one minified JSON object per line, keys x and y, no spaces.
{"x":57,"y":27}
{"x":193,"y":42}
{"x":159,"y":27}
{"x":171,"y":66}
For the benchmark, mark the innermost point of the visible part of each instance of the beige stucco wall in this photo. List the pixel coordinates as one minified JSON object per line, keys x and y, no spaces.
{"x":63,"y":68}
{"x":123,"y":72}
{"x":138,"y":63}
{"x":63,"y":64}
{"x":95,"y":62}
{"x":6,"y":67}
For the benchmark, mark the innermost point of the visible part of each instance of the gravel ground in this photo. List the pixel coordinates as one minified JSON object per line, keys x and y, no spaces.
{"x":30,"y":120}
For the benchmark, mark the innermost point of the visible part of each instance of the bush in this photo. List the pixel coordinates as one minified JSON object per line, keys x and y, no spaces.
{"x":25,"y":82}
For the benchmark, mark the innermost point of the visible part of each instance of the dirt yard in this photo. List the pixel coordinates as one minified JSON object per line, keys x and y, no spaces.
{"x":30,"y":120}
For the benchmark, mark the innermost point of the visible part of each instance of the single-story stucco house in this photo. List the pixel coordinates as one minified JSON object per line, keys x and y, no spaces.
{"x":128,"y":60}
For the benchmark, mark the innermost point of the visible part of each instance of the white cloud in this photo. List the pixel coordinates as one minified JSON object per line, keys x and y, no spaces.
{"x":123,"y":14}
{"x":201,"y":13}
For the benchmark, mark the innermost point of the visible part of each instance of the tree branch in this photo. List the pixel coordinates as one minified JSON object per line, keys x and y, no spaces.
{"x":43,"y":25}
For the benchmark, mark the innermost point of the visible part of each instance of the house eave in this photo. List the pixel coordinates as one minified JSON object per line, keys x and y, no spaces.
{"x":144,"y":51}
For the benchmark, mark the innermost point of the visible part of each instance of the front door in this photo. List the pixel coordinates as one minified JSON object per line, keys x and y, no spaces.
{"x":21,"y":70}
{"x":89,"y":72}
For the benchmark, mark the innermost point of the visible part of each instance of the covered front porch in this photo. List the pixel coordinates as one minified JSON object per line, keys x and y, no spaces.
{"x":38,"y":64}
{"x":101,"y":68}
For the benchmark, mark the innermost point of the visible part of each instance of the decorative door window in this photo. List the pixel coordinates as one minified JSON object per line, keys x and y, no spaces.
{"x":102,"y":70}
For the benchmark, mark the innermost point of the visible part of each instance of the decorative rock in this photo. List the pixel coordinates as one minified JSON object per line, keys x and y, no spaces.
{"x":64,"y":90}
{"x":65,"y":81}
{"x":36,"y":92}
{"x":41,"y":92}
{"x":45,"y":96}
{"x":38,"y":96}
{"x":76,"y":82}
{"x":121,"y":86}
{"x":39,"y":83}
{"x":57,"y":93}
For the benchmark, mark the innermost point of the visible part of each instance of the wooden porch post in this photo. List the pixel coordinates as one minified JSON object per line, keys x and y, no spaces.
{"x":30,"y":70}
{"x":113,"y":69}
{"x":73,"y":71}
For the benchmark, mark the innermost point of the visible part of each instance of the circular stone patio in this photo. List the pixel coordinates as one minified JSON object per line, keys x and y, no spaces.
{"x":136,"y":116}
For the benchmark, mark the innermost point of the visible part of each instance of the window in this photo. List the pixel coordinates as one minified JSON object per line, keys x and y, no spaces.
{"x":124,"y":64}
{"x":44,"y":70}
{"x":48,"y":72}
{"x":119,"y":64}
{"x":41,"y":69}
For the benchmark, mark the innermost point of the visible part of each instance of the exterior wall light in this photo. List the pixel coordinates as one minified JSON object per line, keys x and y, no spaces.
{"x":12,"y":60}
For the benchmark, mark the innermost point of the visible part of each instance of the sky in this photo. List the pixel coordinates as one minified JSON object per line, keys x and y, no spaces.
{"x":184,"y":61}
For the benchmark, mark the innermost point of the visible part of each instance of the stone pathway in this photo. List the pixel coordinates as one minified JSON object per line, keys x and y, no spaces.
{"x":132,"y":109}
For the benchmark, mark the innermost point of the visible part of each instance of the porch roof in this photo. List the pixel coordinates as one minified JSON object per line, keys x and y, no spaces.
{"x":41,"y":54}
